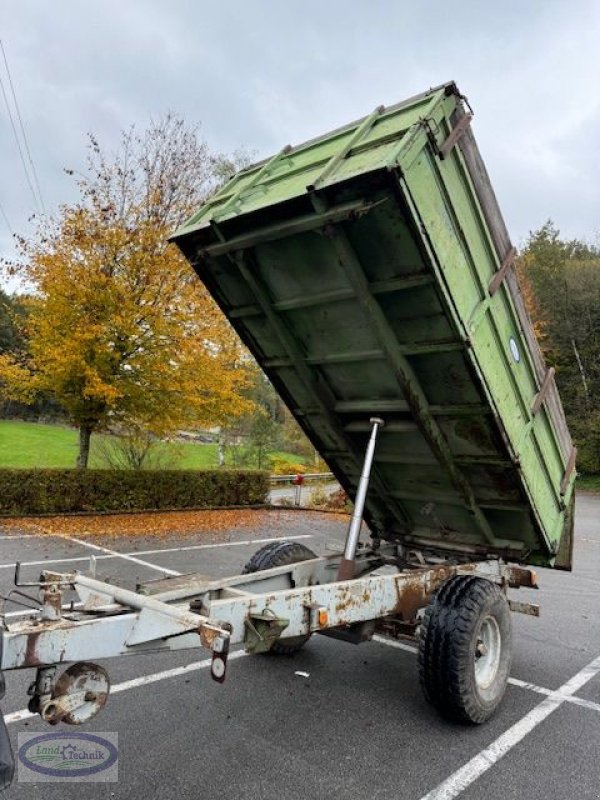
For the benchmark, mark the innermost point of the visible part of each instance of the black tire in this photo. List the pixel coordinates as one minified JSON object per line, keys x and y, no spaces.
{"x":465,"y":613}
{"x":280,"y":554}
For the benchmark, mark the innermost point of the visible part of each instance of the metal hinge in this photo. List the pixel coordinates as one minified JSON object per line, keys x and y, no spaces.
{"x":540,"y":397}
{"x":455,"y":134}
{"x":564,"y":485}
{"x":442,"y":150}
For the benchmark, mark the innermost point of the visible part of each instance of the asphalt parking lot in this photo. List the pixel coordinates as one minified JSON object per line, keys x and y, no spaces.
{"x":354,"y":723}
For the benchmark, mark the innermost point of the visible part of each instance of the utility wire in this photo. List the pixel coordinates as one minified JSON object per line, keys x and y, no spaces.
{"x":20,"y":149}
{"x":22,"y":127}
{"x":5,"y":218}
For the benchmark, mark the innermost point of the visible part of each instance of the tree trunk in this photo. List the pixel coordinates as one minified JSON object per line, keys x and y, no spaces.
{"x":221,"y":449}
{"x":586,"y":392}
{"x":85,"y":434}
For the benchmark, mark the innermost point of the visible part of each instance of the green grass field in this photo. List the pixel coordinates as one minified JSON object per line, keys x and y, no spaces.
{"x":31,"y":444}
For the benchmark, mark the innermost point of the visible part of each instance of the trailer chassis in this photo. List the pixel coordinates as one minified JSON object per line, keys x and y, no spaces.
{"x":275,"y":606}
{"x":254,"y":610}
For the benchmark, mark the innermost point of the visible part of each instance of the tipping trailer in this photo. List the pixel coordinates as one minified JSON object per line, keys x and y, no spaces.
{"x":371,"y":275}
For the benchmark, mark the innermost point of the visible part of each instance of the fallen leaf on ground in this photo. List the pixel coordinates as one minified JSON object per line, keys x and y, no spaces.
{"x":163,"y":524}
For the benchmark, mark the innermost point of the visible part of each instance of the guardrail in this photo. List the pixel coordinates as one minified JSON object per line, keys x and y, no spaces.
{"x":306,"y":476}
{"x":299,"y":480}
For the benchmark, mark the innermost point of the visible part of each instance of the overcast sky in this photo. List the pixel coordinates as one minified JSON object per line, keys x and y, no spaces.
{"x":264,"y":74}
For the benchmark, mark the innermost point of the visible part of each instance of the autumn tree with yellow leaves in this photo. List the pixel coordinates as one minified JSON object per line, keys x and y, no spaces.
{"x":120,"y":331}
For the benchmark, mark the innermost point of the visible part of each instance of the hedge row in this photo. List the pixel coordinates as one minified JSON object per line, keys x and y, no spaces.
{"x":50,"y":491}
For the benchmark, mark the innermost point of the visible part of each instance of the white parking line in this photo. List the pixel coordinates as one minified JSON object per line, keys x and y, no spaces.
{"x":115,"y":554}
{"x":581,"y":701}
{"x":128,"y":555}
{"x":224,"y":544}
{"x":42,"y":561}
{"x":16,"y":716}
{"x":32,"y":612}
{"x":139,"y":561}
{"x":577,"y":701}
{"x":477,"y":766}
{"x":143,"y":680}
{"x":531,"y":687}
{"x":410,"y":648}
{"x":564,"y":694}
{"x":452,"y":786}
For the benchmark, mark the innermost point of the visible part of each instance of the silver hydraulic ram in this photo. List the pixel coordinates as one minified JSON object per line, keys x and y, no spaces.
{"x":347,"y":564}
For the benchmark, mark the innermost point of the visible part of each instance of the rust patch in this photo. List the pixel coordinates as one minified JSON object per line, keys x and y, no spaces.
{"x":344,"y":602}
{"x":53,"y":599}
{"x":31,"y":658}
{"x":207,"y":636}
{"x":521,"y":576}
{"x":414,"y":590}
{"x":411,"y":597}
{"x":530,"y":609}
{"x":75,"y":679}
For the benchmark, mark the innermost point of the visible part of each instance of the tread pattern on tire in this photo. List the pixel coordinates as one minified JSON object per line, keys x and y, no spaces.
{"x":445,"y":656}
{"x":280,"y":554}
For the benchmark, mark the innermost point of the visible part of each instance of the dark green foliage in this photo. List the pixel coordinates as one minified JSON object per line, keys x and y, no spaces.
{"x":49,"y":491}
{"x":13,"y":340}
{"x":586,"y":435}
{"x":249,"y":438}
{"x":564,"y":278}
{"x":12,"y":317}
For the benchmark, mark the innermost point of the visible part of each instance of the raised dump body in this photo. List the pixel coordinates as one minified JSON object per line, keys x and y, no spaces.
{"x":370,"y":274}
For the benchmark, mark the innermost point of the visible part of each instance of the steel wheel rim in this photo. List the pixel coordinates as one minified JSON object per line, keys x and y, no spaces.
{"x":487,"y":652}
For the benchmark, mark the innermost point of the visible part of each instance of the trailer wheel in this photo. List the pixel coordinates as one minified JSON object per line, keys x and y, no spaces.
{"x":280,"y":554}
{"x":465,"y":649}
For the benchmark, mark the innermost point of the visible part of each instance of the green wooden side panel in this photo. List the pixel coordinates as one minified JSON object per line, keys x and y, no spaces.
{"x":357,"y":270}
{"x":289,"y":175}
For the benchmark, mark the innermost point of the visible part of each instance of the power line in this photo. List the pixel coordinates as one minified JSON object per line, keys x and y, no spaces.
{"x":5,"y":218}
{"x":12,"y":123}
{"x":16,"y":136}
{"x":22,"y":127}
